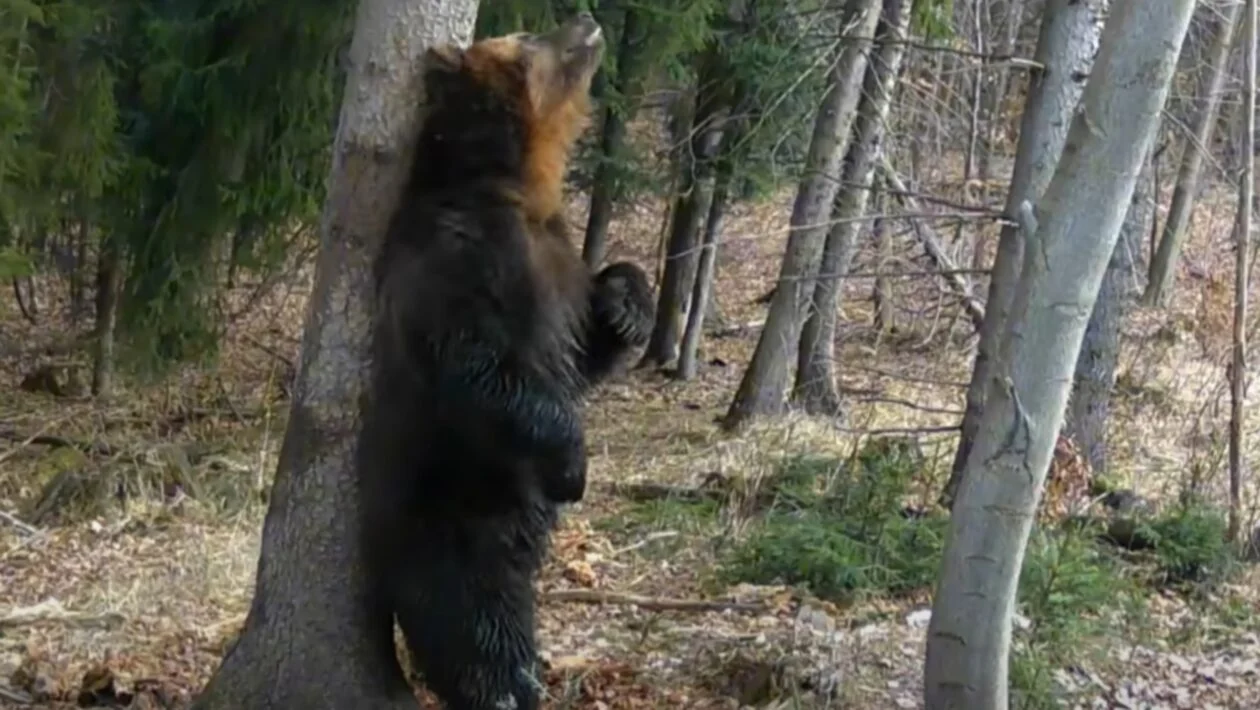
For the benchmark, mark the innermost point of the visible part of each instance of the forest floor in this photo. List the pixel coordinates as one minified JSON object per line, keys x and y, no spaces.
{"x":143,"y":569}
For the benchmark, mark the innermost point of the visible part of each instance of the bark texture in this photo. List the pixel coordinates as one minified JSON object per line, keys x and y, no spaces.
{"x":1089,"y":410}
{"x":1065,"y":49}
{"x":315,"y":636}
{"x":968,"y":647}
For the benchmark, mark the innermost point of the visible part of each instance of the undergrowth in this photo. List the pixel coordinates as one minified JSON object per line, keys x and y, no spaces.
{"x":844,"y":530}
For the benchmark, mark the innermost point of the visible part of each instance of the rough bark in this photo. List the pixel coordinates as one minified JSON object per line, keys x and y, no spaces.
{"x":1164,"y":260}
{"x":1242,"y":277}
{"x":1065,"y":49}
{"x":762,"y":387}
{"x":107,"y":272}
{"x":815,"y":386}
{"x":1089,"y":408}
{"x":1081,"y":213}
{"x":315,"y":636}
{"x":703,"y":287}
{"x":611,"y":140}
{"x":691,"y":206}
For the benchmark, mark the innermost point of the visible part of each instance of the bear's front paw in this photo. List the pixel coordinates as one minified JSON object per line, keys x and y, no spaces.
{"x":623,"y":300}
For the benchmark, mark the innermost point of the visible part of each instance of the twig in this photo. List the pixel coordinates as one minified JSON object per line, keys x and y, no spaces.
{"x":591,"y":596}
{"x":16,"y":696}
{"x":907,"y":378}
{"x":276,"y":354}
{"x":933,"y":248}
{"x":23,"y":528}
{"x":912,"y":405}
{"x":649,"y":539}
{"x":645,"y":492}
{"x":903,"y":430}
{"x":92,"y":448}
{"x":51,"y":610}
{"x":893,"y":273}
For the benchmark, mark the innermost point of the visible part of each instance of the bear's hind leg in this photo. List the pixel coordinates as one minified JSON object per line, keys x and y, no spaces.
{"x":468,"y":620}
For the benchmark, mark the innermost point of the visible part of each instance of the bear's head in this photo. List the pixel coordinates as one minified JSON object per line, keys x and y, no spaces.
{"x":512,"y":106}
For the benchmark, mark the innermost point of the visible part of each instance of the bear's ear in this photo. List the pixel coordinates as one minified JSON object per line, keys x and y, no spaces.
{"x":443,"y":57}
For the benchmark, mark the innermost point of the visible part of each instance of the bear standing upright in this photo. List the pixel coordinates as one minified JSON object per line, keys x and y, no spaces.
{"x":488,"y":331}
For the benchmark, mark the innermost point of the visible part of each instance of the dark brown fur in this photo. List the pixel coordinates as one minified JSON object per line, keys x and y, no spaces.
{"x":490,"y":330}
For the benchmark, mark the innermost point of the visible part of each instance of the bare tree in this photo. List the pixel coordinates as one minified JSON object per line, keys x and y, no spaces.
{"x":1065,"y":52}
{"x":612,"y":138}
{"x":1081,"y":212}
{"x":315,"y":635}
{"x":762,"y":388}
{"x":702,"y":289}
{"x":1242,"y":272}
{"x":108,"y":271}
{"x":691,"y":206}
{"x":815,"y":386}
{"x":1212,"y":81}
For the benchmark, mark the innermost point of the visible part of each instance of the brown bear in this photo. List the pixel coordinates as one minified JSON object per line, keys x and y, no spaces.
{"x":489,"y":329}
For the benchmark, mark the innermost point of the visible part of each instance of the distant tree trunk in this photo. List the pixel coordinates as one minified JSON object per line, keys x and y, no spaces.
{"x":882,"y":291}
{"x":1164,"y":261}
{"x":77,"y":290}
{"x":815,"y":387}
{"x":1089,"y":407}
{"x":1080,"y":214}
{"x":695,"y":190}
{"x":107,"y":272}
{"x":1242,"y":277}
{"x":762,"y":388}
{"x":317,"y":634}
{"x":612,"y":138}
{"x":703,"y":287}
{"x":995,"y":90}
{"x":1065,"y":48}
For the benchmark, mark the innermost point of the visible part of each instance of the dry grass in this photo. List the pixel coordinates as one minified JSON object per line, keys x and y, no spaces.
{"x":158,"y":547}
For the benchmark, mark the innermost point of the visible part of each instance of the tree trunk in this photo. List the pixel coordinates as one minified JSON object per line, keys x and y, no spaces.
{"x":762,"y":388}
{"x":1242,"y":273}
{"x":1089,"y":406}
{"x":316,"y":634}
{"x":1081,"y":212}
{"x":612,"y":138}
{"x":703,"y":287}
{"x":815,"y":387}
{"x":695,"y":190}
{"x":77,"y":305}
{"x":1164,"y":260}
{"x":996,"y":88}
{"x":1065,"y":49}
{"x":106,"y":318}
{"x":882,"y":291}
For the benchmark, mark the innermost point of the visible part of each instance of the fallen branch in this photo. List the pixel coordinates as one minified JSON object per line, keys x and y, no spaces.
{"x":592,"y":596}
{"x":648,"y":492}
{"x":933,"y":248}
{"x":15,"y":696}
{"x":22,"y":527}
{"x":902,"y":430}
{"x":52,"y":610}
{"x":92,"y":448}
